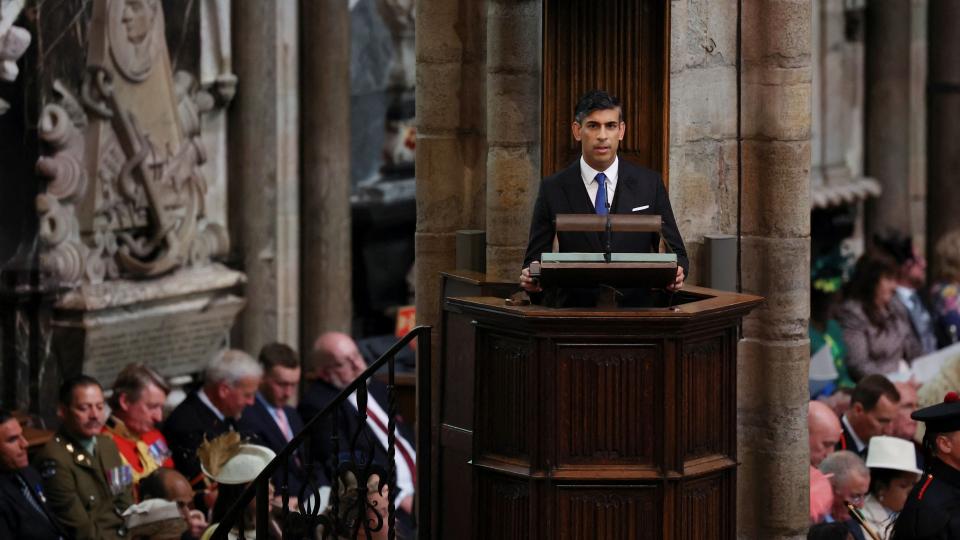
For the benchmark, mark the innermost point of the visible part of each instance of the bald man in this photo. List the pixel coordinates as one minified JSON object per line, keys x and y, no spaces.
{"x":170,"y":485}
{"x":825,"y":430}
{"x":336,"y":362}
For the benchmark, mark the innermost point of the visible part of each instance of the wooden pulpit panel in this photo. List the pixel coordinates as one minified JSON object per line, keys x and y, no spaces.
{"x":506,"y":505}
{"x":706,"y":507}
{"x":706,"y":370}
{"x":609,"y":403}
{"x":621,"y":46}
{"x":504,"y":397}
{"x":609,"y":512}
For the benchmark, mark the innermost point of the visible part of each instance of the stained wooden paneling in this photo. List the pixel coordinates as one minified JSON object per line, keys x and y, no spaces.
{"x":705,"y":384}
{"x":706,"y":510}
{"x":608,"y":512}
{"x":456,"y":385}
{"x":504,"y":396}
{"x":608,"y":403}
{"x":617,"y":45}
{"x":504,"y":508}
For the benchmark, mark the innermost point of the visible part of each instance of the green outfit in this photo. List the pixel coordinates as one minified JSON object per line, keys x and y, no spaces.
{"x":86,"y":493}
{"x":833,"y":338}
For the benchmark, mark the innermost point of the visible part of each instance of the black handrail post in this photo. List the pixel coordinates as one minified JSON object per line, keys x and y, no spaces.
{"x":263,"y":509}
{"x":424,"y":433}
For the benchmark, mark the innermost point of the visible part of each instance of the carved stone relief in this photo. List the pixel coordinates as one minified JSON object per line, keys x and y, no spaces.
{"x":13,"y":43}
{"x":126,"y":196}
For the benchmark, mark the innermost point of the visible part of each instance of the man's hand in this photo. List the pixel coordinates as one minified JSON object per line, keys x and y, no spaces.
{"x":407,"y":504}
{"x":196,"y":524}
{"x":678,"y":282}
{"x":528,"y":283}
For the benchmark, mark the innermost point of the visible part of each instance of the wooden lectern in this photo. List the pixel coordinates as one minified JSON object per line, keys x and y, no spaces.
{"x":587,"y":424}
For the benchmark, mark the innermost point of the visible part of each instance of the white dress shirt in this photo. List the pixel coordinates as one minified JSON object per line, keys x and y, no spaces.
{"x":589,"y":175}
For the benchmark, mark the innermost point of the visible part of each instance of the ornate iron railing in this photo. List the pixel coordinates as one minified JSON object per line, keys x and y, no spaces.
{"x":352,"y":455}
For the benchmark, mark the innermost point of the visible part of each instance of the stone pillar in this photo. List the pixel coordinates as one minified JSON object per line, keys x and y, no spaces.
{"x":325,"y":202}
{"x":439,"y":163}
{"x":514,"y":47}
{"x":772,"y":482}
{"x":887,"y":118}
{"x":943,"y":108}
{"x":264,"y":146}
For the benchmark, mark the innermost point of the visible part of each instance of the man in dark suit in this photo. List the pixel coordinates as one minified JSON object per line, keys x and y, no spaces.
{"x":873,"y":409}
{"x":337,"y":363}
{"x":23,"y":506}
{"x":271,"y":421}
{"x":230,"y":384}
{"x":599,"y":182}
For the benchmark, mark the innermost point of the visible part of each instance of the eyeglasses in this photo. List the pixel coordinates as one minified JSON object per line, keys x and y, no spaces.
{"x":857,"y":499}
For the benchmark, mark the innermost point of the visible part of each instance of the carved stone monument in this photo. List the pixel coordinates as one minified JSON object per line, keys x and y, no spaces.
{"x":123,"y":223}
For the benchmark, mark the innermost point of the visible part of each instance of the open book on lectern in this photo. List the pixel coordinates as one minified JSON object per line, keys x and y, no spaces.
{"x":618,"y":270}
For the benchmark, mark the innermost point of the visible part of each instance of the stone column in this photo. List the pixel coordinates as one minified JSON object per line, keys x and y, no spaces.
{"x":264,"y":146}
{"x":325,"y":202}
{"x":514,"y":49}
{"x":943,"y":106}
{"x":772,"y":482}
{"x":887,"y":118}
{"x":439,"y":163}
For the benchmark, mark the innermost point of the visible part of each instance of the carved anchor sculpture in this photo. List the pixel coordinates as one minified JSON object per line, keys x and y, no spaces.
{"x":165,"y":246}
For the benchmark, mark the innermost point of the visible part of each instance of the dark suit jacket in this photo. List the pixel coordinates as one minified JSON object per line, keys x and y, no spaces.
{"x":259,"y":424}
{"x":847,"y":442}
{"x":319,"y":395}
{"x":18,"y":518}
{"x":932,"y":510}
{"x":564,"y":193}
{"x":185,"y":429}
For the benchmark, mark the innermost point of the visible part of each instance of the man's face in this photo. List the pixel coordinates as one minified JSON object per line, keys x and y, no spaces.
{"x":914,"y":271}
{"x":233,"y":399}
{"x":823,"y":439}
{"x":854,"y":489}
{"x":345,"y":363}
{"x":600,"y":134}
{"x":84,"y":416}
{"x":948,"y":448}
{"x":13,"y":447}
{"x":142,"y":415}
{"x":179,"y":491}
{"x":877,"y":421}
{"x":280,"y":384}
{"x":904,"y":426}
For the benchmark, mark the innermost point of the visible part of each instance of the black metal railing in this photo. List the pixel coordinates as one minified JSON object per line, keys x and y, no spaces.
{"x":349,"y":464}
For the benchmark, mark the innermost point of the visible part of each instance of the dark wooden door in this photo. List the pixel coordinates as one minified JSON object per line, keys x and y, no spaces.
{"x":621,"y":46}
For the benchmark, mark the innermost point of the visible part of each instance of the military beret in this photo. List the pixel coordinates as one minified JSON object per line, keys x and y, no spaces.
{"x":942,"y":417}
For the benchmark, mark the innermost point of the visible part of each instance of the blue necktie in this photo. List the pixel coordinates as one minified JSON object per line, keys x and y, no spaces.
{"x":600,"y":204}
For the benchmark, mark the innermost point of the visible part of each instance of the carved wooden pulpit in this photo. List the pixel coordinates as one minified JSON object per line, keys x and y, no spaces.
{"x":587,"y":423}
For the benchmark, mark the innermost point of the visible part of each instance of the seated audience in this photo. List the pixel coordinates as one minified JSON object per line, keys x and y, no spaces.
{"x":230,"y":384}
{"x":136,"y":408}
{"x":873,"y":409}
{"x":893,"y":473}
{"x":945,"y":292}
{"x":24,"y":514}
{"x":337,"y":363}
{"x":876,"y":330}
{"x":911,"y":278}
{"x":271,"y":421}
{"x":170,"y":485}
{"x":233,"y":475}
{"x":850,"y":479}
{"x":86,"y":482}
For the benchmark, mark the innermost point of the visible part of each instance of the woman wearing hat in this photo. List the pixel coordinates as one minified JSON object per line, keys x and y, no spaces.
{"x":893,"y":473}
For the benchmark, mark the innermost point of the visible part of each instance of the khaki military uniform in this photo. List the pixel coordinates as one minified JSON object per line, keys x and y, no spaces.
{"x":86,"y":493}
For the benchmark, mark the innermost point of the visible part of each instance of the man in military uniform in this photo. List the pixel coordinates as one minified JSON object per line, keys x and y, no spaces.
{"x":86,"y":483}
{"x":932,"y":511}
{"x":23,"y":507}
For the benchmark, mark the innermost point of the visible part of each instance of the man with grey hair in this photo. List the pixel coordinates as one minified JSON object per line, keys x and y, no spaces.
{"x":229,"y":384}
{"x":850,"y":479}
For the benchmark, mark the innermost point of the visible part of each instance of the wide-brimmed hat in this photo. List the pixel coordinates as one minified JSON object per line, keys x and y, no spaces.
{"x":892,"y":453}
{"x":244,"y":466}
{"x":154,"y":518}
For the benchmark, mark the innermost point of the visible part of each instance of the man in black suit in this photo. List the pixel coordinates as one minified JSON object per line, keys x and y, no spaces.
{"x":271,"y":421}
{"x":230,"y":384}
{"x":599,"y":182}
{"x":873,"y":408}
{"x":337,"y":363}
{"x":23,"y":507}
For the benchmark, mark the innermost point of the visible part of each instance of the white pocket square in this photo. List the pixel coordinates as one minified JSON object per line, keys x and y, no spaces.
{"x":639,"y":208}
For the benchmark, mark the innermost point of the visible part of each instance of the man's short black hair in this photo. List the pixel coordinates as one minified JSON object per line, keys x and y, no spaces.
{"x":871,"y":388}
{"x":595,"y":100}
{"x":5,"y":415}
{"x":66,"y":389}
{"x":278,"y":354}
